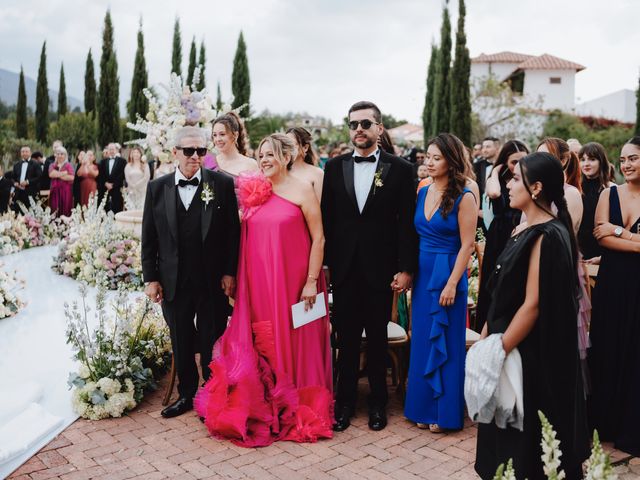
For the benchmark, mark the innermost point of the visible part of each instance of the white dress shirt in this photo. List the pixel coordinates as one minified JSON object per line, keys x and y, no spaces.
{"x":363,"y":174}
{"x":188,"y":191}
{"x":110,"y":165}
{"x":23,"y":172}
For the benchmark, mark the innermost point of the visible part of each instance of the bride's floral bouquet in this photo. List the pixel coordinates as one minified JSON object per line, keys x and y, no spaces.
{"x":120,"y":359}
{"x":10,"y":301}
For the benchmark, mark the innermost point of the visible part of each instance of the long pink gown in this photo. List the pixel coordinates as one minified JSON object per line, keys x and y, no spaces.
{"x":269,"y":381}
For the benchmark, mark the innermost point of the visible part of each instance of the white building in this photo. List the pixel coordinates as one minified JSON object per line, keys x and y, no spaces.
{"x":620,"y":106}
{"x":549,"y":78}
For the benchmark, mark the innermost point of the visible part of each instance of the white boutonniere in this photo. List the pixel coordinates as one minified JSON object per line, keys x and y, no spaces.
{"x":207,"y":194}
{"x":377,"y":181}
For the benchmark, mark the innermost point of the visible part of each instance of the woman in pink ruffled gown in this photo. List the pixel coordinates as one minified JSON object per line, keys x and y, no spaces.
{"x":269,"y":381}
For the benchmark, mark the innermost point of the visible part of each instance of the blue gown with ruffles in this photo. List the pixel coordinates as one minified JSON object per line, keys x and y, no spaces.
{"x":435,"y":391}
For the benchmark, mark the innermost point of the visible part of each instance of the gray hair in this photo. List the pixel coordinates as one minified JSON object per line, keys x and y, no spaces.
{"x":190,"y":132}
{"x":63,"y":150}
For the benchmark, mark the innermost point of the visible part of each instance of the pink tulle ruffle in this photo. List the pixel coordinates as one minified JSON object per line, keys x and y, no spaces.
{"x":253,"y":189}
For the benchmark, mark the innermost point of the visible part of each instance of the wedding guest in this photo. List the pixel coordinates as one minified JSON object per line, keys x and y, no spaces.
{"x":614,"y":358}
{"x":230,"y":140}
{"x":6,"y":185}
{"x":482,"y":169}
{"x":534,"y":309}
{"x":505,"y":219}
{"x":61,"y":174}
{"x":111,"y":179}
{"x":286,"y":377}
{"x":304,"y":164}
{"x":26,"y":174}
{"x":445,"y":220}
{"x":136,"y":175}
{"x":190,"y":237}
{"x":368,"y":204}
{"x":574,"y":145}
{"x":165,"y":166}
{"x":423,"y":175}
{"x":596,"y":177}
{"x":45,"y":181}
{"x":476,"y":153}
{"x":87,"y":173}
{"x":386,"y":143}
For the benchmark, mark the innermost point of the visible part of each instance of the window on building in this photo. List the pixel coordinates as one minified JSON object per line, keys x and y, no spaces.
{"x":555,"y":80}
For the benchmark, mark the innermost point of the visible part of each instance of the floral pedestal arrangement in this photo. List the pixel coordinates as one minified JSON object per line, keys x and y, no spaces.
{"x":130,"y":221}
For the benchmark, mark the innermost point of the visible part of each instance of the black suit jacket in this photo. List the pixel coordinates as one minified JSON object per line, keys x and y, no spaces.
{"x":220,"y":232}
{"x":5,"y":193}
{"x":115,"y":202}
{"x":480,"y":169}
{"x":45,"y":181}
{"x":33,"y":177}
{"x":382,"y":239}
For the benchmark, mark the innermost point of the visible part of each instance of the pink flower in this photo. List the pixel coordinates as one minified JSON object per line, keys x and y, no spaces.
{"x":253,"y":190}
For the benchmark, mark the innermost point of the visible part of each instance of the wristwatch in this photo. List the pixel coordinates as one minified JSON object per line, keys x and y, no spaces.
{"x":618,"y":231}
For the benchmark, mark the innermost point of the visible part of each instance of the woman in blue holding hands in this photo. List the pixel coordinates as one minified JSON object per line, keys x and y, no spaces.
{"x":445,"y":220}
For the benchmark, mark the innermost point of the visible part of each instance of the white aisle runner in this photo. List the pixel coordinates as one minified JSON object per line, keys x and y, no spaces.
{"x":33,"y":347}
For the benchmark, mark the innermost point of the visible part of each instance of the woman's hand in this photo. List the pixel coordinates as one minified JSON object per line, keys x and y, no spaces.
{"x":603,"y":230}
{"x":593,"y":261}
{"x":308,"y":295}
{"x":448,"y":295}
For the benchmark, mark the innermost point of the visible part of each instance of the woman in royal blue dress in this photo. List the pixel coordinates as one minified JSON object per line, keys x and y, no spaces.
{"x":445,"y":220}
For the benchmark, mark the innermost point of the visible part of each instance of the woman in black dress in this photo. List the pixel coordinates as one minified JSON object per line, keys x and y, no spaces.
{"x":535,"y":307}
{"x":504,"y":221}
{"x":614,"y":357}
{"x":596,"y":176}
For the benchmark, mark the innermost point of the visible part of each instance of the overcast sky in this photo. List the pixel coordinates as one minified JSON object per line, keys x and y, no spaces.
{"x":321,"y":56}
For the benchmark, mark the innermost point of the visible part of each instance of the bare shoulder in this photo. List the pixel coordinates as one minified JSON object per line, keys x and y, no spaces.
{"x":301,"y":191}
{"x":249,"y":163}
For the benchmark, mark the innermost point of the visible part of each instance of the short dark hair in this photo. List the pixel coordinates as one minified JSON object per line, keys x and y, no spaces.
{"x":37,"y":154}
{"x":364,"y":105}
{"x":491,"y":139}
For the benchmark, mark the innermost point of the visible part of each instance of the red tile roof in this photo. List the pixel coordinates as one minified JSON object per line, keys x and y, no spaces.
{"x":501,"y":57}
{"x":549,"y":62}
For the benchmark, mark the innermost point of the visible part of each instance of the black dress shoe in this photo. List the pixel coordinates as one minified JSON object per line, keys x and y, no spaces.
{"x":377,"y":420}
{"x":180,"y":406}
{"x":343,"y":419}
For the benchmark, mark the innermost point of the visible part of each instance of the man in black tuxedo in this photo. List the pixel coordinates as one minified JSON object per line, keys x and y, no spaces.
{"x":482,"y":168}
{"x":26,"y":174}
{"x":6,"y":185}
{"x":368,"y":203}
{"x":190,"y":241}
{"x":45,"y":181}
{"x":111,"y":179}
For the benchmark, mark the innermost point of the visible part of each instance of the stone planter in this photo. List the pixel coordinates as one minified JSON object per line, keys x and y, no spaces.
{"x":130,"y":221}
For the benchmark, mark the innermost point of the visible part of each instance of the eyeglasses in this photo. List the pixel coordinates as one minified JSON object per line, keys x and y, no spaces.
{"x":365,"y":124}
{"x":189,"y":151}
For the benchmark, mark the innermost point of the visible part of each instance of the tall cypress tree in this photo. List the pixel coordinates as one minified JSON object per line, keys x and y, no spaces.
{"x":21,"y":108}
{"x":138,"y":102}
{"x":192,"y":62}
{"x":202,"y":59}
{"x":62,"y":94}
{"x":441,"y":103}
{"x":89,"y":86}
{"x":638,"y":109}
{"x":428,"y":127}
{"x":219,"y":99}
{"x":460,"y":121}
{"x":176,"y":55}
{"x":42,"y":98}
{"x":240,"y":82}
{"x":109,"y":90}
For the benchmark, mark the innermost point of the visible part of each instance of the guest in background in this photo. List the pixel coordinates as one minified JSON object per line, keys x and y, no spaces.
{"x":230,"y":139}
{"x":305,"y":161}
{"x":445,"y":220}
{"x":6,"y":185}
{"x":45,"y":181}
{"x":164,"y":166}
{"x":596,"y":177}
{"x":614,"y":357}
{"x":476,"y":153}
{"x":386,"y":143}
{"x":505,"y":219}
{"x":574,"y":145}
{"x":111,"y":179}
{"x":26,"y":174}
{"x":61,"y":174}
{"x":482,"y":169}
{"x":87,"y":173}
{"x":137,"y":175}
{"x":423,"y":176}
{"x":38,"y":159}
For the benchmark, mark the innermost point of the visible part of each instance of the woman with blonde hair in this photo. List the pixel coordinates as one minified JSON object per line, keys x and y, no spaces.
{"x":87,"y":173}
{"x":137,"y":175}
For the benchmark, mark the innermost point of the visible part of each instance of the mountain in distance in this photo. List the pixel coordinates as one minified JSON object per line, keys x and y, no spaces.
{"x":9,"y":82}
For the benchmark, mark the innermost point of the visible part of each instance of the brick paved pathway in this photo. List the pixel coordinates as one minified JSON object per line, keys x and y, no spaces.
{"x":143,"y":445}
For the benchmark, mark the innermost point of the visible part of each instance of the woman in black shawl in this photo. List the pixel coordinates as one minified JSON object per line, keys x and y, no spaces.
{"x":535,"y":307}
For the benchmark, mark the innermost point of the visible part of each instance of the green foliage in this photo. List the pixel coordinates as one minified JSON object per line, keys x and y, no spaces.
{"x":10,"y":149}
{"x":428,"y":103}
{"x":240,"y":82}
{"x":77,"y":130}
{"x":21,"y":108}
{"x":109,"y":92}
{"x":460,"y":121}
{"x":176,"y":54}
{"x":89,"y":86}
{"x":389,"y":121}
{"x":201,"y":61}
{"x":42,"y":97}
{"x":440,"y":114}
{"x":192,"y":62}
{"x":259,"y":126}
{"x":219,"y":99}
{"x":138,"y":104}
{"x":62,"y":94}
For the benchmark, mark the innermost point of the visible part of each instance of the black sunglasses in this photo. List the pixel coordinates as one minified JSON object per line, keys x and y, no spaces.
{"x":365,"y":124}
{"x":189,"y":151}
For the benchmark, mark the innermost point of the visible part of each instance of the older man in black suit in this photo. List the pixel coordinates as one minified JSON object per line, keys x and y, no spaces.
{"x":190,"y":241}
{"x":26,"y":174}
{"x":111,"y":179}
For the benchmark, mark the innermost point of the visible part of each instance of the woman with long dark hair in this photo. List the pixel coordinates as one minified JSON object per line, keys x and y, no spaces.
{"x":504,"y":221}
{"x":305,"y":163}
{"x":534,"y":308}
{"x":445,"y":220}
{"x":230,"y":140}
{"x":614,"y":357}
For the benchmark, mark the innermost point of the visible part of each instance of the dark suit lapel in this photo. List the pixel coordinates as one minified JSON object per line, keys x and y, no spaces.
{"x":170,"y":207}
{"x":347,"y":173}
{"x":382,"y":170}
{"x":206,"y":214}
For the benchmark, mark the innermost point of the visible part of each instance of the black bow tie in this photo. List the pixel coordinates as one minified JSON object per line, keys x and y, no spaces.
{"x":370,"y":159}
{"x":183,"y":183}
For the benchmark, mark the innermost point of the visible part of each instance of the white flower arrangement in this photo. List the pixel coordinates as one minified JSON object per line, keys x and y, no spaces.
{"x":10,"y":301}
{"x":206,"y":195}
{"x":120,"y":360}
